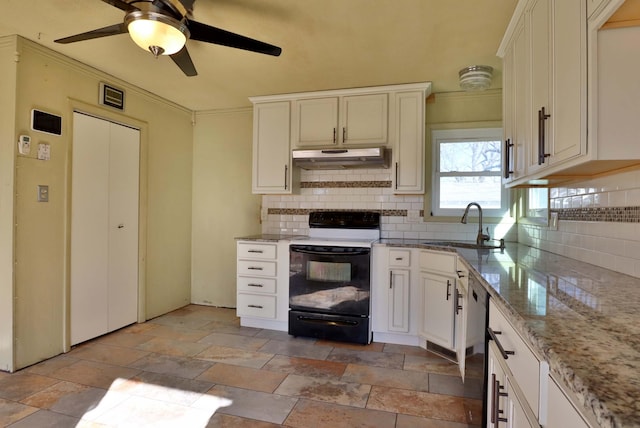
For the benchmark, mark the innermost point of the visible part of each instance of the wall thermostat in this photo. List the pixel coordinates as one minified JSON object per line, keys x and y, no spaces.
{"x":24,"y":144}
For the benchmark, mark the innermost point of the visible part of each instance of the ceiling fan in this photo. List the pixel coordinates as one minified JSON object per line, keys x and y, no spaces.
{"x":164,"y":26}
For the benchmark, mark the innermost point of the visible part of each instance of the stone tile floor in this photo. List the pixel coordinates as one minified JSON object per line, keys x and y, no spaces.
{"x":196,"y":367}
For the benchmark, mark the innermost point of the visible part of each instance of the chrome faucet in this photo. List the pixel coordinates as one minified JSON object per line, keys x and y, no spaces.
{"x":481,"y":236}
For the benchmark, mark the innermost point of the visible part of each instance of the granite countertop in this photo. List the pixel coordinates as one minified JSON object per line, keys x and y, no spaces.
{"x":582,"y":319}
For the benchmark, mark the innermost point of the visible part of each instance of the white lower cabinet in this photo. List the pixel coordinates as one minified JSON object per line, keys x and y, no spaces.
{"x":394,"y":306}
{"x":505,"y":406}
{"x":561,"y":412}
{"x":262,"y":284}
{"x":419,"y":297}
{"x":438,"y":316}
{"x":439,"y":298}
{"x":526,"y":374}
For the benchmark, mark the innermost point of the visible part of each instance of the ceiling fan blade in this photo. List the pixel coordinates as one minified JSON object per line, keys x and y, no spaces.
{"x":209,"y":34}
{"x":111,"y":30}
{"x":120,"y":4}
{"x":183,"y":60}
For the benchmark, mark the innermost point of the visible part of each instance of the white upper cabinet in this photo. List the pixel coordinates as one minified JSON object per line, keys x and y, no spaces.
{"x":545,"y":63}
{"x":316,"y":122}
{"x":341,"y":120}
{"x":364,"y":119}
{"x":390,"y":116}
{"x":581,"y":101}
{"x":515,"y":88}
{"x":408,"y":151}
{"x":272,"y":171}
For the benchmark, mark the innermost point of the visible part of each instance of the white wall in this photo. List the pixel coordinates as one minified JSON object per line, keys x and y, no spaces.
{"x":54,"y":83}
{"x":613,"y":245}
{"x":223,"y":206}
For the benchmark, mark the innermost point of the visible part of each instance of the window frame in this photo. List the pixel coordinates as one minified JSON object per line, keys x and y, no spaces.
{"x":439,"y":136}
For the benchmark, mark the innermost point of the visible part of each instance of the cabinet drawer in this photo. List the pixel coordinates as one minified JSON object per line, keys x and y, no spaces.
{"x":256,"y":267}
{"x":255,"y":284}
{"x":256,"y":251}
{"x":524,"y":365}
{"x":438,"y":261}
{"x":255,"y":305}
{"x":399,"y":258}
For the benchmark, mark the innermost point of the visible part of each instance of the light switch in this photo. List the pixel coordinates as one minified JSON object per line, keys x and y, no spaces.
{"x":43,"y":193}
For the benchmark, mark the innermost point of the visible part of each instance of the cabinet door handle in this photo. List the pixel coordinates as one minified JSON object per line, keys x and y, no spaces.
{"x":255,"y":285}
{"x":495,"y":400}
{"x":448,"y":290}
{"x":286,"y":173}
{"x":493,"y":335}
{"x":256,"y":306}
{"x":508,"y":147}
{"x":396,"y":175}
{"x":344,"y":134}
{"x":254,"y":268}
{"x":335,"y":134}
{"x":390,"y":279}
{"x":542,"y":117}
{"x":458,"y":305}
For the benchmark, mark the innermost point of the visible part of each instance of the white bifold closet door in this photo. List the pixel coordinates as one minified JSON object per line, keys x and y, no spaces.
{"x":104,"y":227}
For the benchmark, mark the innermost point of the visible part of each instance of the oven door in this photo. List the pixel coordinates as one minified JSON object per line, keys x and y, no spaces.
{"x":330,"y":280}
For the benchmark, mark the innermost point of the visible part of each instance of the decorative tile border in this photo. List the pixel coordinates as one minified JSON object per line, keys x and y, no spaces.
{"x":306,"y":211}
{"x":343,"y":184}
{"x":604,"y":214}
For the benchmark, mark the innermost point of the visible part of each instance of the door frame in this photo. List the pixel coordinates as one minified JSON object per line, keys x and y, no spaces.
{"x":132,"y":122}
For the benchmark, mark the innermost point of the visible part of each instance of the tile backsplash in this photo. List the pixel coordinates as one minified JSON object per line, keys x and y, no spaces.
{"x":599,"y":222}
{"x":366,"y":189}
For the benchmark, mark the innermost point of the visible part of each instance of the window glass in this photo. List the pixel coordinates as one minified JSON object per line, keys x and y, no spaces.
{"x":467,"y":168}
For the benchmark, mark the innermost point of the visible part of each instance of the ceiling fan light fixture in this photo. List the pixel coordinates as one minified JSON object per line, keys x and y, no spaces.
{"x":475,"y":77}
{"x":155,"y":32}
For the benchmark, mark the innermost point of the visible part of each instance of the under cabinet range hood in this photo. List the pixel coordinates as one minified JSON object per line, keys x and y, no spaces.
{"x":376,"y":157}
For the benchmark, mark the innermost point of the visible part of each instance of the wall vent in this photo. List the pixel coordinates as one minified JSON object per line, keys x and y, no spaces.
{"x":111,"y":96}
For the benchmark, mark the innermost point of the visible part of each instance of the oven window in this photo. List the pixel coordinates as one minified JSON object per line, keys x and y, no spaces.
{"x":328,"y":271}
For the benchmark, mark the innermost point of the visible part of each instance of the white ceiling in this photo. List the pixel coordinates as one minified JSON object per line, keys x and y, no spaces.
{"x":327,"y":44}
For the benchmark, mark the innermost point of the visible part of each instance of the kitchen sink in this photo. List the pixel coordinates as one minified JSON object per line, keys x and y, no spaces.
{"x":466,"y":244}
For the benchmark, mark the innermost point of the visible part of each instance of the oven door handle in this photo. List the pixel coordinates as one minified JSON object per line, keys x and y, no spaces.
{"x":329,"y":253}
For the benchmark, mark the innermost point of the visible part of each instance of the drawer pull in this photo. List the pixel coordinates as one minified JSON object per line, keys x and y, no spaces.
{"x":493,"y":334}
{"x":399,"y":258}
{"x":256,"y":306}
{"x":254,"y":268}
{"x":255,"y":285}
{"x":495,"y":404}
{"x":255,"y":251}
{"x":459,"y":272}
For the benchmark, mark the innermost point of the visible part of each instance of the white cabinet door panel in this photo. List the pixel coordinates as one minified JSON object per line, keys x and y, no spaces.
{"x":399,"y":300}
{"x":271,"y":154}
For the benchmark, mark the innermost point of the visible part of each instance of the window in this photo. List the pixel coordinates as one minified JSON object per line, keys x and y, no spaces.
{"x":467,"y":168}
